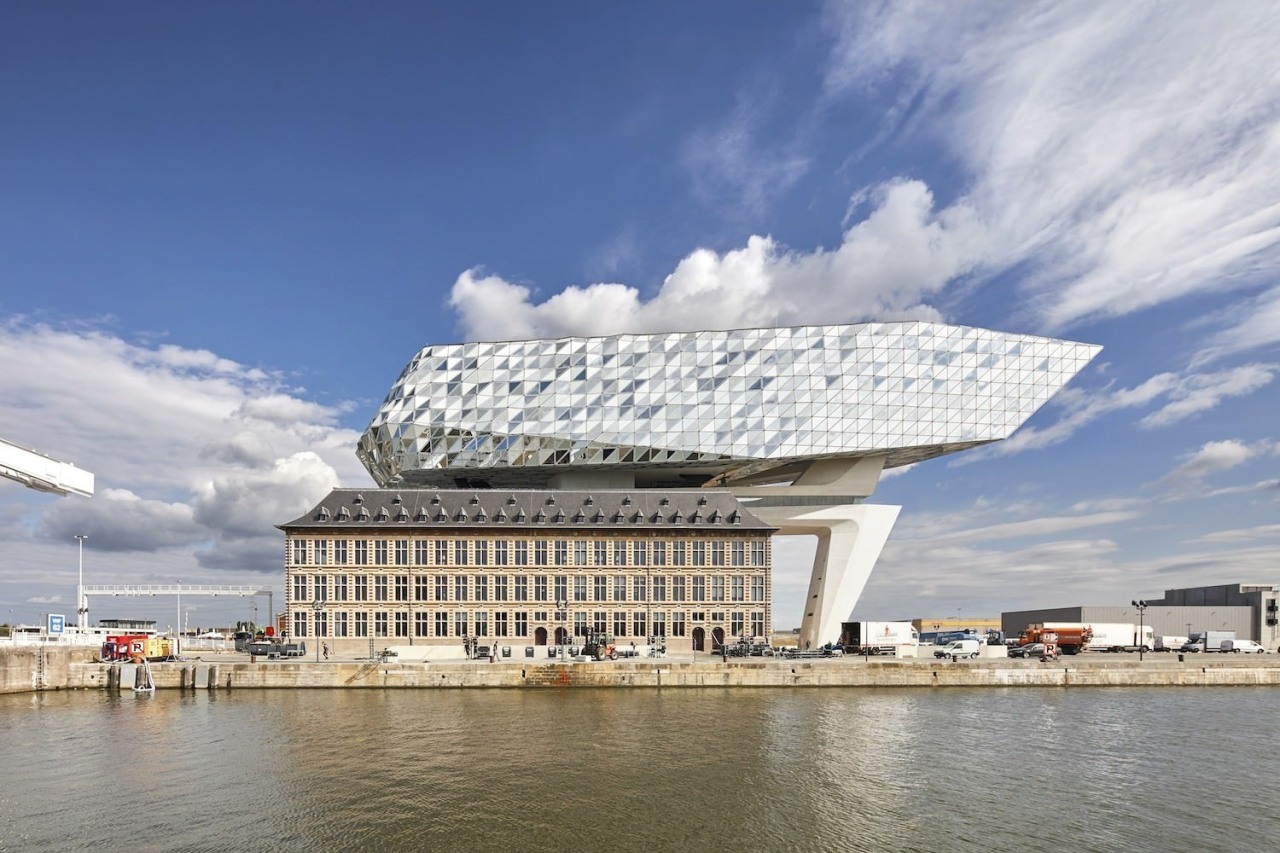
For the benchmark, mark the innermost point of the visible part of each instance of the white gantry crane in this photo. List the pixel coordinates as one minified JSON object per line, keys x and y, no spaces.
{"x":43,"y":473}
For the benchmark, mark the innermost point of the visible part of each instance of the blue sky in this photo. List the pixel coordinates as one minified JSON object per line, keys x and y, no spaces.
{"x":227,"y":227}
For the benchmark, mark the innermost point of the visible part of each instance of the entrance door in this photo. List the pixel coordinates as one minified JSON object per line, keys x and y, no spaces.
{"x":699,"y":640}
{"x":717,"y":639}
{"x":562,"y":636}
{"x":540,"y":637}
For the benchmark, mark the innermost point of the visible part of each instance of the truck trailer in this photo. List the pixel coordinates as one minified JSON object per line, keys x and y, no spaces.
{"x":878,"y":638}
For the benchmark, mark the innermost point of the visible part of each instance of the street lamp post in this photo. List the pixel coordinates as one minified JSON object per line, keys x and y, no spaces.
{"x":318,"y":607}
{"x":82,"y":612}
{"x":562,"y":606}
{"x":1142,"y":628}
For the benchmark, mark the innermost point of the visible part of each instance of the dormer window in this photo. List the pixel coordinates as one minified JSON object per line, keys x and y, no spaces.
{"x":702,"y":501}
{"x":383,"y":515}
{"x":665,"y":501}
{"x":511,"y":501}
{"x":540,"y":517}
{"x":677,"y":517}
{"x":520,"y":516}
{"x":461,"y":516}
{"x":560,"y":517}
{"x":590,"y":501}
{"x":475,"y":499}
{"x":362,"y":515}
{"x":551,"y":500}
{"x":626,"y":501}
{"x":501,"y":516}
{"x":358,"y":499}
{"x":402,"y":516}
{"x":480,"y":516}
{"x":435,"y":500}
{"x":396,"y":501}
{"x":343,"y":515}
{"x":715,"y":516}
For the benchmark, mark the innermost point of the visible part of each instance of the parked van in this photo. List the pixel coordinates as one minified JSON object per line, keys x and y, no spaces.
{"x":958,"y":649}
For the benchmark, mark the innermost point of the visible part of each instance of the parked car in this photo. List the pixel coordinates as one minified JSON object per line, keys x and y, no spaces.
{"x":1031,"y":650}
{"x":1248,"y":646}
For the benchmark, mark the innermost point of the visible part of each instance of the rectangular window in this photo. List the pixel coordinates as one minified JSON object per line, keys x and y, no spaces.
{"x":482,"y":587}
{"x":442,"y":623}
{"x":580,"y":624}
{"x":735,"y":623}
{"x":482,"y":552}
{"x":321,"y":588}
{"x":322,"y":624}
{"x":677,"y":554}
{"x":659,"y":624}
{"x":402,"y":587}
{"x":600,"y":588}
{"x":659,"y":588}
{"x":380,"y":624}
{"x":402,"y":552}
{"x":757,"y":587}
{"x":580,"y":588}
{"x":757,"y":623}
{"x":619,"y":587}
{"x":699,"y":588}
{"x":640,"y":553}
{"x":339,"y":587}
{"x":460,"y":554}
{"x":599,"y":623}
{"x":659,"y":553}
{"x":717,"y":553}
{"x":677,"y":624}
{"x":442,"y":587}
{"x":699,"y":553}
{"x":380,"y":588}
{"x":540,"y":588}
{"x":522,"y":553}
{"x":402,"y":624}
{"x":422,"y":588}
{"x":620,"y":623}
{"x":600,"y":550}
{"x":300,"y":623}
{"x":321,"y":548}
{"x":638,"y":625}
{"x":299,"y":588}
{"x":299,"y":552}
{"x":677,"y":588}
{"x":562,"y":552}
{"x":522,"y":623}
{"x":736,"y":587}
{"x":638,"y":588}
{"x":362,"y":587}
{"x":442,"y":552}
{"x":362,"y":552}
{"x":460,"y":588}
{"x":737,"y":553}
{"x":522,"y":588}
{"x":757,"y":553}
{"x":380,"y":552}
{"x":501,"y":555}
{"x":717,"y":588}
{"x":422,"y":552}
{"x":362,"y":624}
{"x":580,"y":553}
{"x":340,"y":552}
{"x":500,"y":585}
{"x":620,"y":553}
{"x":482,"y":623}
{"x":421,"y":624}
{"x":460,"y":624}
{"x":540,"y":553}
{"x":340,"y":624}
{"x":500,"y":624}
{"x":562,"y":587}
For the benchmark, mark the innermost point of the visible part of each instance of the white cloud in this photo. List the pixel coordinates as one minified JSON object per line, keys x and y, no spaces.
{"x":887,"y":265}
{"x":1126,"y":157}
{"x":1248,"y":534}
{"x":1212,"y":457}
{"x":1200,"y":392}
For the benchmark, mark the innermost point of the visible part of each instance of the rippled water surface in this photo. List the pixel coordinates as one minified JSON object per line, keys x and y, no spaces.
{"x":617,"y":770}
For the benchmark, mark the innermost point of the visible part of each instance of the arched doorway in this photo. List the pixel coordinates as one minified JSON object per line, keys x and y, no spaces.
{"x":562,"y":636}
{"x":717,"y":639}
{"x":699,"y":640}
{"x":540,"y":637}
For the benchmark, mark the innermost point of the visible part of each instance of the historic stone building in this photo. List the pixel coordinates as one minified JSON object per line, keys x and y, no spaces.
{"x":683,"y":568}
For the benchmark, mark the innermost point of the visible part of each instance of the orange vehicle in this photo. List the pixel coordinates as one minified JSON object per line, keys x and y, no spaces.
{"x":132,"y":647}
{"x":1070,"y":640}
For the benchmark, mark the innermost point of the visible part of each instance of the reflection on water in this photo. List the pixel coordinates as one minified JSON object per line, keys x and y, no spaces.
{"x":814,"y":769}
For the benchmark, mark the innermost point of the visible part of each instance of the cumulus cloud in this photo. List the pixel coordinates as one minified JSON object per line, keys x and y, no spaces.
{"x":119,"y":520}
{"x":1212,"y":457}
{"x":886,"y":265}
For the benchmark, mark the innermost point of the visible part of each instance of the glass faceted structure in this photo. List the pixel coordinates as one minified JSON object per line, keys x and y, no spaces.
{"x":798,"y":423}
{"x":695,"y":405}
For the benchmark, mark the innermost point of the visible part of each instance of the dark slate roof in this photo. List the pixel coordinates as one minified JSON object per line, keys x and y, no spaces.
{"x":630,"y":510}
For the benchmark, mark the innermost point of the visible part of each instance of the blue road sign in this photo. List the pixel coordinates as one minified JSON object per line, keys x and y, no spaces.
{"x":56,"y":623}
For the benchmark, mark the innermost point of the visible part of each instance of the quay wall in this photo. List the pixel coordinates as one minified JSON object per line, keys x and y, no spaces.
{"x":274,"y":674}
{"x":24,"y":669}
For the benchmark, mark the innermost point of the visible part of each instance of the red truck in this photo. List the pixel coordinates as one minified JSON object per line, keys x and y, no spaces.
{"x":1070,"y":640}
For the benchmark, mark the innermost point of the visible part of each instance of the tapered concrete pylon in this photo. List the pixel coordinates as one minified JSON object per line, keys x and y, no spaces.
{"x":850,"y":539}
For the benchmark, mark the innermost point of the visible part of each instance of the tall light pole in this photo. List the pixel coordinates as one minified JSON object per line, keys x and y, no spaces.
{"x":82,"y":611}
{"x":562,"y":604}
{"x":1142,"y":628}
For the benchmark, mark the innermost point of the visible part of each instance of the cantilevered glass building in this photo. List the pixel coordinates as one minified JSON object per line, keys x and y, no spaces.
{"x":795,"y":423}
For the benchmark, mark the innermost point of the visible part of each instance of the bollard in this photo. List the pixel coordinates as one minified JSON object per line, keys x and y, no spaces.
{"x":1181,"y":658}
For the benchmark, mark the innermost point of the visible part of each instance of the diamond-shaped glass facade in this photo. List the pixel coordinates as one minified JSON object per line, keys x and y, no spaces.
{"x":708,"y":403}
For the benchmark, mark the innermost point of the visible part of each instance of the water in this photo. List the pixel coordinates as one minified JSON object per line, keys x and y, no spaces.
{"x":843,"y":769}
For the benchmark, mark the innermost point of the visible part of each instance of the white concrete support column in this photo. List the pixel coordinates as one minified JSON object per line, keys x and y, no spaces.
{"x":850,"y":539}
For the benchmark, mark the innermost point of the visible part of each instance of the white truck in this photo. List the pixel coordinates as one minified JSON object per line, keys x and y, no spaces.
{"x":959,"y":650}
{"x":879,"y":638}
{"x":1169,"y":643}
{"x":1114,"y":636}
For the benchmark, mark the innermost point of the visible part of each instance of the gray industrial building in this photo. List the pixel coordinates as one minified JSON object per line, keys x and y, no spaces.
{"x":1247,"y":609}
